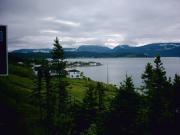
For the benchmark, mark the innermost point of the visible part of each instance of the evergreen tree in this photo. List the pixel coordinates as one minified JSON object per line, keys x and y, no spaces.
{"x":49,"y":101}
{"x":159,"y":76}
{"x":100,"y":96}
{"x":176,"y":103}
{"x":37,"y":95}
{"x":89,"y":106}
{"x":147,"y":78}
{"x":176,"y":88}
{"x":39,"y":92}
{"x":90,"y":99}
{"x":57,"y":52}
{"x":58,"y":57}
{"x":123,"y":114}
{"x":79,"y":117}
{"x":59,"y":64}
{"x":160,"y":102}
{"x":63,"y":97}
{"x":45,"y":97}
{"x":63,"y":115}
{"x":147,"y":88}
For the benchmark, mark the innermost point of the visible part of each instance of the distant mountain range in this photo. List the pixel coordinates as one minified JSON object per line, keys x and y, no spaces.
{"x":162,"y":49}
{"x":93,"y":48}
{"x":42,"y":50}
{"x":149,"y":50}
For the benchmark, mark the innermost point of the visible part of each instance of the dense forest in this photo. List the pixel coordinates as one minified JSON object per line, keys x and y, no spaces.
{"x":52,"y":109}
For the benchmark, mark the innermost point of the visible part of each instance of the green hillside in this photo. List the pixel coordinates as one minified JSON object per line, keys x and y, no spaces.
{"x":16,"y":96}
{"x":46,"y":105}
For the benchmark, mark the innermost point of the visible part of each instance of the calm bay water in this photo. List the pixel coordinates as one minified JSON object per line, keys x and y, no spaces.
{"x":115,"y":69}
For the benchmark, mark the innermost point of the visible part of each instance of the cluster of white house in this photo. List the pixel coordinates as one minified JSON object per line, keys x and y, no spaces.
{"x":72,"y":73}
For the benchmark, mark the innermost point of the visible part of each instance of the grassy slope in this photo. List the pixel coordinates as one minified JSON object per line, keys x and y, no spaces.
{"x":15,"y":93}
{"x":78,"y":88}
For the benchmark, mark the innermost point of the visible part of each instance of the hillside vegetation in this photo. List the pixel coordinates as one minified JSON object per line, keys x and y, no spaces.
{"x":18,"y":111}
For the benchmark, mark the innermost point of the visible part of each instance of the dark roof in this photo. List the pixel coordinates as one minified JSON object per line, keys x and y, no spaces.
{"x":74,"y":70}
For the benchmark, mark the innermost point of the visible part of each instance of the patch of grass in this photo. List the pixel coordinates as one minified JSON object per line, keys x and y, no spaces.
{"x":77,"y":87}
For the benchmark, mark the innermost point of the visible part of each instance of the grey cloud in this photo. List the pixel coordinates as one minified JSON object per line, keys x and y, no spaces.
{"x":78,"y":22}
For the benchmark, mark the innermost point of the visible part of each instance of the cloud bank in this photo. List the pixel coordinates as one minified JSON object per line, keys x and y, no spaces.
{"x":36,"y":23}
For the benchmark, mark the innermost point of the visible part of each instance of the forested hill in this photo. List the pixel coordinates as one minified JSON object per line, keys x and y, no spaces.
{"x":19,"y":111}
{"x":149,"y":50}
{"x":31,"y":105}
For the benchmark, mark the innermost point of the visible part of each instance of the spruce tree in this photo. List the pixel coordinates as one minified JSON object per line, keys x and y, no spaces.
{"x":63,"y":115}
{"x":90,"y":99}
{"x":58,"y":57}
{"x":37,"y":95}
{"x":59,"y":66}
{"x":63,"y":97}
{"x":45,"y":97}
{"x":160,"y":102}
{"x":159,"y":76}
{"x":89,"y":106}
{"x":39,"y":92}
{"x":176,"y":103}
{"x":147,"y":78}
{"x":50,"y":103}
{"x":100,"y":96}
{"x":176,"y":89}
{"x":124,"y":108}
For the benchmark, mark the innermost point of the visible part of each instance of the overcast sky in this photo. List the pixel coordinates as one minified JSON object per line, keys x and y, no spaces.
{"x":36,"y":23}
